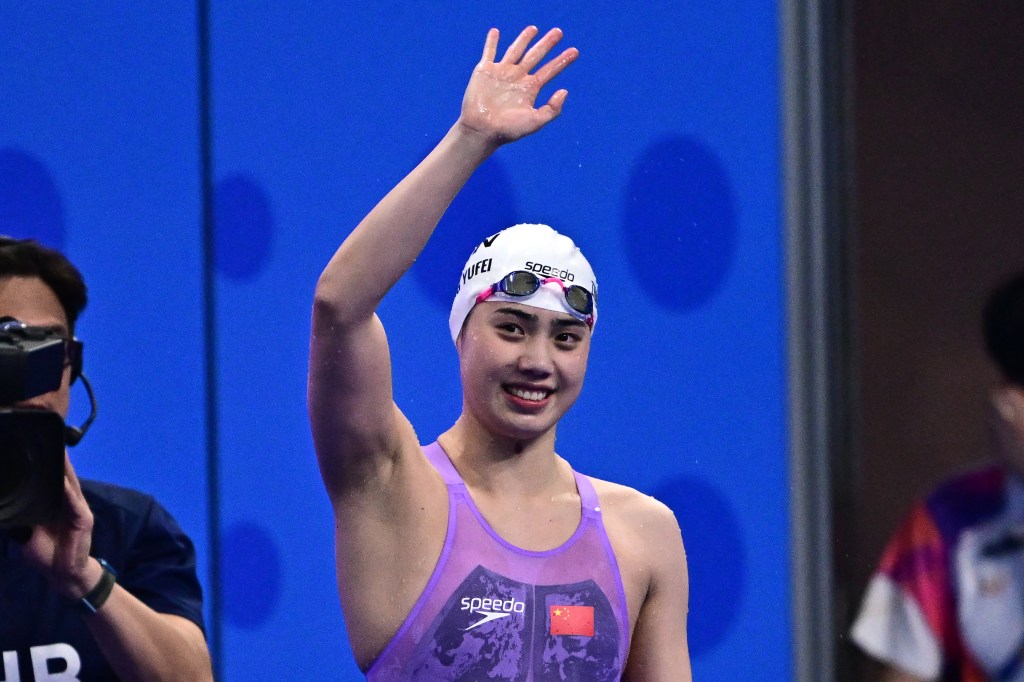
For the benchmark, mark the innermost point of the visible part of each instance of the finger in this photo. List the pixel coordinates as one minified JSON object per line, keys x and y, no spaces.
{"x":518,"y":46}
{"x":76,"y":508}
{"x":70,"y":475}
{"x":557,"y":65}
{"x":77,"y":516}
{"x":491,"y":45}
{"x":553,"y":108}
{"x":543,"y":46}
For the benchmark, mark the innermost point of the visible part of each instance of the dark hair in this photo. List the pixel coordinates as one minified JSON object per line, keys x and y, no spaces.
{"x":1003,"y":325}
{"x":29,"y":258}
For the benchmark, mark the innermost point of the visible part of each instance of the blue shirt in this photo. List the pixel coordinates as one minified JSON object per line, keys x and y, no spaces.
{"x":153,"y":558}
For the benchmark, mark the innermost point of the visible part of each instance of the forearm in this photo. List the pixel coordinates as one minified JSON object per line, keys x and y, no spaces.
{"x":146,"y":646}
{"x":390,"y":238}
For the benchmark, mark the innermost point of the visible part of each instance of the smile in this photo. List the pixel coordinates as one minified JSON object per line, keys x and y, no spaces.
{"x":532,"y":395}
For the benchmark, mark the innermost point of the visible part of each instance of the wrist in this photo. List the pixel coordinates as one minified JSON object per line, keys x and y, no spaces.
{"x":476,"y":141}
{"x":94,"y":598}
{"x":77,"y":586}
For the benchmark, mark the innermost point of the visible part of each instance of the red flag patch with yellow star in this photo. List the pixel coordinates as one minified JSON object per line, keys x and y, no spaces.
{"x":571,"y":620}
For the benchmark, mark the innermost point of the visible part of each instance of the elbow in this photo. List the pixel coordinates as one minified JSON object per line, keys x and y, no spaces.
{"x":330,"y":306}
{"x":326,"y":293}
{"x":325,"y":301}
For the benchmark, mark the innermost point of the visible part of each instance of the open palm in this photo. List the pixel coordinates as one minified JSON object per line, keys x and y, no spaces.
{"x":500,"y":100}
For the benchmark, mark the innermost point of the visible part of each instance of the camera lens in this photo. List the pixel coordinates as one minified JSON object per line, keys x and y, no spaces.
{"x":14,"y":468}
{"x":31,"y":467}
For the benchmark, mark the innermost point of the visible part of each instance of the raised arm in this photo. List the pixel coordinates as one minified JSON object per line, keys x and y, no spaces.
{"x":357,"y":430}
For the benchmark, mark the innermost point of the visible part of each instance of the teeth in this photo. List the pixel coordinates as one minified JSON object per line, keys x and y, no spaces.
{"x":528,"y":395}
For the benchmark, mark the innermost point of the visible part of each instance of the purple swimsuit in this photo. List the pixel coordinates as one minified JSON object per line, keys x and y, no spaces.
{"x":493,"y":611}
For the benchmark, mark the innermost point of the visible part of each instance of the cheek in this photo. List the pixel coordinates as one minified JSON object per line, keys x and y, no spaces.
{"x":578,"y":365}
{"x":62,"y":396}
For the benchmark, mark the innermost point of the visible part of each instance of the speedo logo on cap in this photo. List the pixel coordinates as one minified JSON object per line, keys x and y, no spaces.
{"x":550,"y":271}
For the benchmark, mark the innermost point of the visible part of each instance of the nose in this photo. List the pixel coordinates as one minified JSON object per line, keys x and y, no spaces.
{"x":536,"y":360}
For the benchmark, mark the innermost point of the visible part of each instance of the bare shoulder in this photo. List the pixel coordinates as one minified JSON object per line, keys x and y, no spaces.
{"x":645,"y":538}
{"x":648,"y":547}
{"x":640,"y":514}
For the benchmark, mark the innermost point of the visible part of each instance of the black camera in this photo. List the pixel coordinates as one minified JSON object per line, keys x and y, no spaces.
{"x":32,"y":361}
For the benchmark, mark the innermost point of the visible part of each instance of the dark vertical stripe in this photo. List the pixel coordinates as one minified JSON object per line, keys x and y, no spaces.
{"x":210,"y":333}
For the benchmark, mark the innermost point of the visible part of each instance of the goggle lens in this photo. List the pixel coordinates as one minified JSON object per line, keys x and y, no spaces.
{"x":523,"y":283}
{"x":519,"y":283}
{"x":580,"y":299}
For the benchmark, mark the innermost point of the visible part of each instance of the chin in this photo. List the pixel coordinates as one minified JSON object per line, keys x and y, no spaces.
{"x":530,"y":428}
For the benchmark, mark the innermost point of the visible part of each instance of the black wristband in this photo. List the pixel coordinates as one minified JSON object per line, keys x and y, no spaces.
{"x":96,"y":597}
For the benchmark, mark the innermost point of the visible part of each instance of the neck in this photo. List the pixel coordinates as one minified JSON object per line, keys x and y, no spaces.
{"x":1011,"y":453}
{"x":489,"y":461}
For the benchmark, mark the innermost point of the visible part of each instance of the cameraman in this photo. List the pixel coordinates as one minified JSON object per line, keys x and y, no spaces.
{"x":108,"y":590}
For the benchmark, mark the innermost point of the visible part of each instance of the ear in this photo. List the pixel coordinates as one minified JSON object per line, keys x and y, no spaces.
{"x":1008,"y":401}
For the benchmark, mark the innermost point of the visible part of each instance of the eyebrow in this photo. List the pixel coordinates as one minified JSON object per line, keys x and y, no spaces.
{"x":516,"y":312}
{"x":558,"y":323}
{"x":568,"y":322}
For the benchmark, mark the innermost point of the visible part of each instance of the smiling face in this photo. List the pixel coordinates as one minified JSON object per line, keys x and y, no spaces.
{"x":30,"y":300}
{"x":522,"y":367}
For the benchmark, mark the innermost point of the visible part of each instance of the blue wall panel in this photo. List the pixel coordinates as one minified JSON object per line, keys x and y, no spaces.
{"x":664,"y":167}
{"x":99,"y":156}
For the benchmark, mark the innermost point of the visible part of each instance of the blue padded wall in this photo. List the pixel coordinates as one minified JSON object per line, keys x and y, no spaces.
{"x":665,"y":167}
{"x":99,"y":156}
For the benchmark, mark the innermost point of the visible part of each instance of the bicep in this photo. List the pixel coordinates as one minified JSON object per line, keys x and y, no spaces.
{"x":352,"y":414}
{"x":658,"y":650}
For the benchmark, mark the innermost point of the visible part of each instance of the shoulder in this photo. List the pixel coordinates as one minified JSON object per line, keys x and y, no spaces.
{"x":638,"y":522}
{"x":126,"y":505}
{"x":617,"y":499}
{"x":123,"y":507}
{"x":104,"y":495}
{"x":128,"y":520}
{"x":935,"y":524}
{"x":984,"y":486}
{"x":648,"y":547}
{"x":967,"y":499}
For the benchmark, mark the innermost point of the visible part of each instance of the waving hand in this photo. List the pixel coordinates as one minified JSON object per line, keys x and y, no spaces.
{"x":499,"y":101}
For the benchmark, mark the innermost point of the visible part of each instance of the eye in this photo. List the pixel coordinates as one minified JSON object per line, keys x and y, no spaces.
{"x":511,"y":328}
{"x":568,"y":339}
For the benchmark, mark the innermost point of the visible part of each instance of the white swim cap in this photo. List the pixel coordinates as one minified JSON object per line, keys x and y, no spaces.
{"x":536,"y":249}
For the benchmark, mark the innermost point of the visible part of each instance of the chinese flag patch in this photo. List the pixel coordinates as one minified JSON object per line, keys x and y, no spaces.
{"x":571,"y":620}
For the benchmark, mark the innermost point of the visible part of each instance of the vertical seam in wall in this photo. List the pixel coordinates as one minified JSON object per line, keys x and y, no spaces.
{"x":213,"y":629}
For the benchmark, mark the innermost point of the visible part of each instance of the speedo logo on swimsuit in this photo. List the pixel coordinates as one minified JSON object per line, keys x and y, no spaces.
{"x":550,"y":271}
{"x":491,"y":609}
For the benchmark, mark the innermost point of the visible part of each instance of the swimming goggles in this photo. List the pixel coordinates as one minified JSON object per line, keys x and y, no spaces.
{"x":524,"y":283}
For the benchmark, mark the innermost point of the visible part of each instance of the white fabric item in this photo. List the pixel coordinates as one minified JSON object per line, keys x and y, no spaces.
{"x":990,"y":607}
{"x":535,"y":248}
{"x":891,"y":627}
